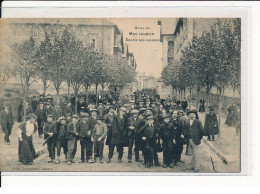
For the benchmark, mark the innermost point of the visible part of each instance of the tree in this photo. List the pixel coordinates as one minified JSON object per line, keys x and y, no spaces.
{"x":55,"y":45}
{"x":74,"y":62}
{"x":7,"y":61}
{"x":25,"y":68}
{"x":43,"y":65}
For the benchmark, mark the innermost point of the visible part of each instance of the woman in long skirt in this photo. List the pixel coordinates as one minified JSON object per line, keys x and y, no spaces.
{"x":26,"y":151}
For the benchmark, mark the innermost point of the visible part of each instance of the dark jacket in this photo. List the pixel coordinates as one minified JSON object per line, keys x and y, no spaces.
{"x":92,"y":123}
{"x":167,"y":132}
{"x":108,"y":120}
{"x":135,"y":124}
{"x":72,"y":130}
{"x":211,"y":124}
{"x":122,"y":124}
{"x":49,"y":128}
{"x":116,"y":130}
{"x":195,"y":132}
{"x":6,"y":120}
{"x":61,"y":131}
{"x":84,"y":129}
{"x":41,"y":114}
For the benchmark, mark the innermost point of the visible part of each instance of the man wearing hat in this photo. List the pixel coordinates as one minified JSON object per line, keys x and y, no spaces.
{"x":84,"y":132}
{"x":41,"y":98}
{"x":133,"y":137}
{"x":211,"y":124}
{"x":41,"y":117}
{"x":61,"y":139}
{"x":92,"y":123}
{"x":98,"y":136}
{"x":101,"y":110}
{"x":50,"y":131}
{"x":167,"y":134}
{"x":34,"y":104}
{"x":149,"y":133}
{"x":72,"y":132}
{"x":179,"y":136}
{"x":194,"y":133}
{"x":7,"y":122}
{"x":48,"y":108}
{"x":116,"y":126}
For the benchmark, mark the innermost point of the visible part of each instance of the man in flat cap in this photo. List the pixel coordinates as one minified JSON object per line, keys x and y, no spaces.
{"x":167,"y":134}
{"x":7,"y":122}
{"x":72,"y":138}
{"x":61,"y":139}
{"x":50,"y":131}
{"x":92,"y":123}
{"x":41,"y":117}
{"x":195,"y":133}
{"x":98,"y":137}
{"x":84,"y":132}
{"x":133,"y":137}
{"x":149,"y":133}
{"x":114,"y":135}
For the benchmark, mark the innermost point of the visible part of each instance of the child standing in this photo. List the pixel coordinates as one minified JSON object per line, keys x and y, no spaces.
{"x":98,"y":135}
{"x":50,"y":131}
{"x":61,"y":140}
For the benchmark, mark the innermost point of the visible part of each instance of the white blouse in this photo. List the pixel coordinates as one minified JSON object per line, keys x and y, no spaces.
{"x":29,"y":129}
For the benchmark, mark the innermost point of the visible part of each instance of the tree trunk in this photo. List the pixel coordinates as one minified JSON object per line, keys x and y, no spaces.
{"x":58,"y":95}
{"x":76,"y":102}
{"x":96,"y":94}
{"x":219,"y":109}
{"x":86,"y":90}
{"x":25,"y":101}
{"x":198,"y":99}
{"x":234,"y":91}
{"x":68,"y":91}
{"x":190,"y":99}
{"x":44,"y":87}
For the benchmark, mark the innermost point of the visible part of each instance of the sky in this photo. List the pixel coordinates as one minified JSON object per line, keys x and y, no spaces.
{"x":147,"y":54}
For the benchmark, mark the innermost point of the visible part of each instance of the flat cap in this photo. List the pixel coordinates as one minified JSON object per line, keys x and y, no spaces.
{"x":93,"y":109}
{"x":151,"y":117}
{"x":134,"y":111}
{"x":75,"y":116}
{"x":84,"y":114}
{"x":123,"y":109}
{"x":192,"y":111}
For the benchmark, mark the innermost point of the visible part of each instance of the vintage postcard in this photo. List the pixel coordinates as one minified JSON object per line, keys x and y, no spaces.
{"x":120,"y":95}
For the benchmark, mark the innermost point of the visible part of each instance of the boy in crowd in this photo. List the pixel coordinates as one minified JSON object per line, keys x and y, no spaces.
{"x":72,"y":138}
{"x":61,"y":140}
{"x":98,"y":135}
{"x":167,"y":134}
{"x":150,"y":137}
{"x":84,"y":132}
{"x":41,"y":117}
{"x":50,"y":131}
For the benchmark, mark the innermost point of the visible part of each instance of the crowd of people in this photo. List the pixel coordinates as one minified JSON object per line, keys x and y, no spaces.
{"x":145,"y":124}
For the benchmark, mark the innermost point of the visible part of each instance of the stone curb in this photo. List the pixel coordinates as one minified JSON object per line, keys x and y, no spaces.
{"x":216,"y":151}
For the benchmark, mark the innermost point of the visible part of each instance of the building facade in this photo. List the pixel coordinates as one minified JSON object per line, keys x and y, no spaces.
{"x":177,"y":33}
{"x":97,"y":33}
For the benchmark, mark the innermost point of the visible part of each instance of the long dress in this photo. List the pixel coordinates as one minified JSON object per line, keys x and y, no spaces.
{"x":26,"y":151}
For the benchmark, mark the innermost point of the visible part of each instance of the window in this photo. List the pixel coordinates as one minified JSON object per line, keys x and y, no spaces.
{"x":35,"y":31}
{"x":93,"y":41}
{"x":170,"y":49}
